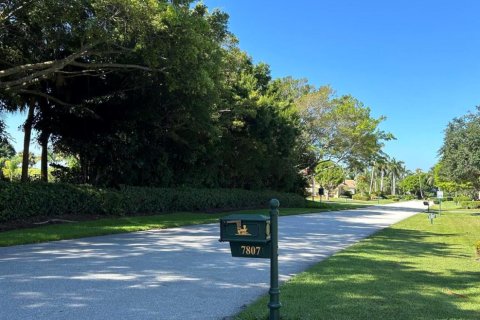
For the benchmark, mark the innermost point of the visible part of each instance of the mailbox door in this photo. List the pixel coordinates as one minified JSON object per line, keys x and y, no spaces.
{"x":245,"y":228}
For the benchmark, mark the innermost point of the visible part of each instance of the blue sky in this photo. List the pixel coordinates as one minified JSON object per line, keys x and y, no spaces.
{"x":415,"y":62}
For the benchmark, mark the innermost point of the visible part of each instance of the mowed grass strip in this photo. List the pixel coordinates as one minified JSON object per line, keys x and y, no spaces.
{"x":131,"y":224}
{"x":412,"y":270}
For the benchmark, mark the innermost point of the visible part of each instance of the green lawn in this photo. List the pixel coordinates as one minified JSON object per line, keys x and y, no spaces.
{"x":131,"y":224}
{"x":369,"y":202}
{"x":413,"y":270}
{"x":447,"y":205}
{"x":351,"y":201}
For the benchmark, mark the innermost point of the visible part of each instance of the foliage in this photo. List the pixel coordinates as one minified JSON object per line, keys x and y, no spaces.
{"x":10,"y":167}
{"x":329,"y":175}
{"x":20,"y":201}
{"x":362,"y":183}
{"x":6,"y":149}
{"x":470,"y":204}
{"x":417,"y":183}
{"x":445,"y":184}
{"x":341,"y":129}
{"x":359,"y":196}
{"x":460,"y":153}
{"x":393,"y":197}
{"x":209,"y":118}
{"x":87,"y":38}
{"x":459,"y":199}
{"x":158,"y":94}
{"x":396,"y":169}
{"x":375,"y":196}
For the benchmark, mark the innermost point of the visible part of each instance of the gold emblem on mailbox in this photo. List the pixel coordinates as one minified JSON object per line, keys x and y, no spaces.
{"x":241,"y":230}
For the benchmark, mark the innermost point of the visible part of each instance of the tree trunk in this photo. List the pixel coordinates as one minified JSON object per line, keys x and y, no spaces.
{"x":313,"y":188}
{"x":26,"y":140}
{"x":420,"y":183}
{"x":381,"y":181}
{"x":371,"y":182}
{"x":393,"y":185}
{"x":44,"y":158}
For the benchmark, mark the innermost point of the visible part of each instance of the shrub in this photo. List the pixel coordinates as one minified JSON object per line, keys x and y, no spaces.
{"x":26,"y":200}
{"x":359,"y":196}
{"x":408,"y":197}
{"x":396,"y":199}
{"x":315,"y":204}
{"x":470,"y":204}
{"x":461,"y":199}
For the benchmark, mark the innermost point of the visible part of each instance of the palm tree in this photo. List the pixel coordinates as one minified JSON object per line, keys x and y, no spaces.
{"x":372,"y":168}
{"x":396,"y":169}
{"x":378,"y":166}
{"x":382,"y":167}
{"x":419,"y":172}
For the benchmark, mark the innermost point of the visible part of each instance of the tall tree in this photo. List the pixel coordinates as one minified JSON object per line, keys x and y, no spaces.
{"x":341,"y":129}
{"x":460,"y":153}
{"x":161,"y":131}
{"x":382,"y":167}
{"x":395,"y":167}
{"x":89,"y":39}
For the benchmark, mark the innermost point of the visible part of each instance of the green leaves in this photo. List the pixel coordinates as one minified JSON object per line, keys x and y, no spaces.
{"x":341,"y":128}
{"x":19,"y":201}
{"x":460,"y":153}
{"x":329,"y":175}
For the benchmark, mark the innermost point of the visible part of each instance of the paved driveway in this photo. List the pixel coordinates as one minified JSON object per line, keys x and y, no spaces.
{"x":181,"y":273}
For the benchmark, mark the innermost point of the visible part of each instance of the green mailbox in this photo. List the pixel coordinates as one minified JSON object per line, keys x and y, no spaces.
{"x":256,"y":236}
{"x":249,"y":235}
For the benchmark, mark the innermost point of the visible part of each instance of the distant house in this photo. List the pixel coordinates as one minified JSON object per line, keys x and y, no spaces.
{"x":347,"y":185}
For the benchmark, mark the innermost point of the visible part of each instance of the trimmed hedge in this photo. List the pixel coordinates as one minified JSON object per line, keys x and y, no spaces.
{"x":470,"y":204}
{"x":19,"y":201}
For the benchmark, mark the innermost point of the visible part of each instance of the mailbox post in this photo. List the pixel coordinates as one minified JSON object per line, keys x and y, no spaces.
{"x":256,"y":236}
{"x":274,"y":303}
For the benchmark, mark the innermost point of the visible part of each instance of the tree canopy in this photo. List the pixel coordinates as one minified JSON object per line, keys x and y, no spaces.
{"x":460,"y":153}
{"x":158,"y":93}
{"x":340,"y":129}
{"x":329,"y":174}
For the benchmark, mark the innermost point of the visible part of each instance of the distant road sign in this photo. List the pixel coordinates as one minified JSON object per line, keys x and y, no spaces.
{"x":440,"y":194}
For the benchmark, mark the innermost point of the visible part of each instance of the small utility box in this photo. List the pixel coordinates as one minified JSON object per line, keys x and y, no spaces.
{"x":249,"y":235}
